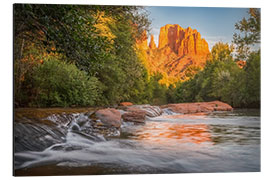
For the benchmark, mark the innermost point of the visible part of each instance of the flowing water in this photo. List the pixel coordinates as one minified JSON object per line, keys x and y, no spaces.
{"x":171,"y":143}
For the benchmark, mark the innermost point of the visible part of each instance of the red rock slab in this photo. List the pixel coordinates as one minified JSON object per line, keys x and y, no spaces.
{"x":134,"y":116}
{"x":188,"y":108}
{"x":109,"y":116}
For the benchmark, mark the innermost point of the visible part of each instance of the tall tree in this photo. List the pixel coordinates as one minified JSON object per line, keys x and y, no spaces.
{"x":250,"y":33}
{"x":97,"y":39}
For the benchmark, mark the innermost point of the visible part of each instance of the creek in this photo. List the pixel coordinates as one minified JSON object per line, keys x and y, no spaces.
{"x":68,"y":144}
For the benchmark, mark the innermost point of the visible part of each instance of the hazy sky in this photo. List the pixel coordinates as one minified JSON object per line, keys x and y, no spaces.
{"x":214,"y":24}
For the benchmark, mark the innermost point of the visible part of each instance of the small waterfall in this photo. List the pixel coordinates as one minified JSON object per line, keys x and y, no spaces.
{"x":168,"y":111}
{"x":151,"y":111}
{"x":57,"y":132}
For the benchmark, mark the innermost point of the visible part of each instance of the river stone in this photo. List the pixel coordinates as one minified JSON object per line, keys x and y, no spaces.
{"x":135,"y":116}
{"x":109,"y":117}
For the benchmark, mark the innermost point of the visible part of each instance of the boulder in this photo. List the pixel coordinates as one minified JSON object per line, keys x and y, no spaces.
{"x":134,"y":116}
{"x":109,"y":117}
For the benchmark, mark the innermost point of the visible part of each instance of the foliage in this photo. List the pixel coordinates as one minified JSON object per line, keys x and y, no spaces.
{"x":69,"y":27}
{"x":73,"y":55}
{"x":124,"y":75}
{"x":221,"y":52}
{"x":99,"y":40}
{"x":223,"y":80}
{"x":56,"y":83}
{"x":250,"y":33}
{"x":253,"y":85}
{"x":158,"y":90}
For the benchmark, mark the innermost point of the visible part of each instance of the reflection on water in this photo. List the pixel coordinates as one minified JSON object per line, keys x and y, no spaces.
{"x":220,"y":142}
{"x":169,"y":133}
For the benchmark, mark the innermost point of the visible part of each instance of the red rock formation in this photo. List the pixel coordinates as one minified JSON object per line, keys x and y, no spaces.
{"x":152,"y":44}
{"x":182,"y":41}
{"x":178,"y":49}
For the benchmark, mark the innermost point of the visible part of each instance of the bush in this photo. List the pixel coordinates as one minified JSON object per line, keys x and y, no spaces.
{"x":57,"y":83}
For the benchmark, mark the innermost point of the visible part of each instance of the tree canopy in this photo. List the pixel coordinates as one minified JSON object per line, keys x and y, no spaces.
{"x":76,"y":55}
{"x":249,"y":33}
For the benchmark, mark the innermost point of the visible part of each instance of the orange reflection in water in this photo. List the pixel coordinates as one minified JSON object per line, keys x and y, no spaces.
{"x":187,"y":116}
{"x":171,"y":133}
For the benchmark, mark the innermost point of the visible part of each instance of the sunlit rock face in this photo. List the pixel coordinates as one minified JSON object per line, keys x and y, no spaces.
{"x":179,"y":51}
{"x":152,"y":44}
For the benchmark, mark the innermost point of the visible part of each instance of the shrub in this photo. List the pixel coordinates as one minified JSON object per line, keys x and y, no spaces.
{"x":57,"y":83}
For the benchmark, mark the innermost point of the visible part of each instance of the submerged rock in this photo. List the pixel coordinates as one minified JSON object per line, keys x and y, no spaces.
{"x":187,"y":108}
{"x":36,"y":137}
{"x":109,"y":117}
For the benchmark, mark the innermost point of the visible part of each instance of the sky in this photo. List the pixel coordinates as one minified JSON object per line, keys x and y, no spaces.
{"x":214,"y":24}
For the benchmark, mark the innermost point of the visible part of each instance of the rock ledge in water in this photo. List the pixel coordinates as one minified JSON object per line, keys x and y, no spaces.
{"x":150,"y":111}
{"x":134,"y":116}
{"x":187,"y":108}
{"x":109,"y":116}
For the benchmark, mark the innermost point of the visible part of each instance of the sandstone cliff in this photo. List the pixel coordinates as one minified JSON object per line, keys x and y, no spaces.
{"x":152,"y":44}
{"x":179,"y":51}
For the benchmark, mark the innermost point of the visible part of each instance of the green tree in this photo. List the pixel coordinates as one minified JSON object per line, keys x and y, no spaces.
{"x":56,"y":83}
{"x":253,"y":83}
{"x":158,"y":90}
{"x":221,"y":52}
{"x":71,"y":30}
{"x":221,"y":79}
{"x":250,"y":33}
{"x":124,"y":76}
{"x":69,"y":27}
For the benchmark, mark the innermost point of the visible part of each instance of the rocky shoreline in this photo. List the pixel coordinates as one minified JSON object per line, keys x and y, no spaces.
{"x":36,"y":129}
{"x":126,"y":111}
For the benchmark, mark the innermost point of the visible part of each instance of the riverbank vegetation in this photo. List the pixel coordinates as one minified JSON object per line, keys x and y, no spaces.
{"x":70,"y":55}
{"x":222,"y":79}
{"x":74,"y":55}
